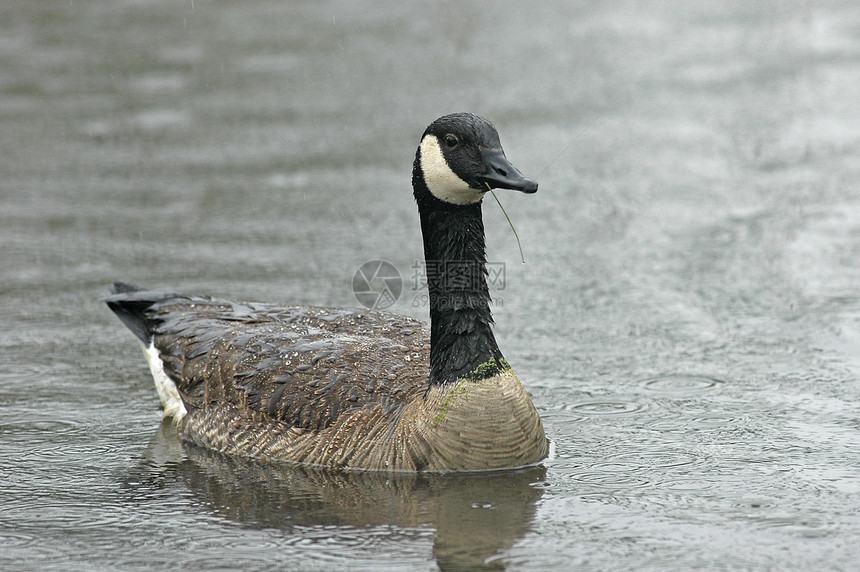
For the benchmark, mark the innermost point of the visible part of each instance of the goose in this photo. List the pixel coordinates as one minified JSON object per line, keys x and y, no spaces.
{"x":350,"y":389}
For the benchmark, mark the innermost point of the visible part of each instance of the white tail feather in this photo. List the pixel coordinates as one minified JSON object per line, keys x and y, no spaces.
{"x":167,"y":392}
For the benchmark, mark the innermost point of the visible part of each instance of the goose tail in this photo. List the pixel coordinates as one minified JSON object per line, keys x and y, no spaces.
{"x":131,"y":304}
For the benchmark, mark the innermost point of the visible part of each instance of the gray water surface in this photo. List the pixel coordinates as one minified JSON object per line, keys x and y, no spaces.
{"x":687,"y":320}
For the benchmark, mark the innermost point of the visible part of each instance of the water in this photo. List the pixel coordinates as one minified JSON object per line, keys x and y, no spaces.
{"x":688,"y":320}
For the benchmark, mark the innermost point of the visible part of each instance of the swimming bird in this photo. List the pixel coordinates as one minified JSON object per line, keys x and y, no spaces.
{"x":359,"y":389}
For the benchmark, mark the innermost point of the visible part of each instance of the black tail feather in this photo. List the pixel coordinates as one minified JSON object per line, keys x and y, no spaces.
{"x":131,"y":310}
{"x":124,"y":288}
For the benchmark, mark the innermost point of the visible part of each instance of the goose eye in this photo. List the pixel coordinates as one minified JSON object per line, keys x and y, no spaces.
{"x":451,"y":140}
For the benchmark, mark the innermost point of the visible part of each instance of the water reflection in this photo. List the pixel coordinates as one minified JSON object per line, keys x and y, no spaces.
{"x":475,"y":518}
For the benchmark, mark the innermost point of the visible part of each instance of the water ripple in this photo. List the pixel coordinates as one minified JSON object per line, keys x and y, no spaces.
{"x":16,"y":539}
{"x":680,"y":385}
{"x":22,"y":372}
{"x":693,"y":422}
{"x":611,"y":479}
{"x":650,"y":459}
{"x":599,"y":407}
{"x":802,"y":525}
{"x":52,"y":427}
{"x":215,"y":541}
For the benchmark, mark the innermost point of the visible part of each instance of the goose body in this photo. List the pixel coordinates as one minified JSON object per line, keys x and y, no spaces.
{"x":358,"y":389}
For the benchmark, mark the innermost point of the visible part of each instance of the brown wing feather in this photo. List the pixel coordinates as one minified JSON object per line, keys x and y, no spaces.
{"x":303,"y":366}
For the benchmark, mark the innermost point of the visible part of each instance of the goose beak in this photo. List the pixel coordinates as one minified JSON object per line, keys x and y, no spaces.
{"x":502,"y":175}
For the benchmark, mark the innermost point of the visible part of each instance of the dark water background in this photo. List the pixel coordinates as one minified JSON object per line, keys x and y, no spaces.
{"x":688,"y":320}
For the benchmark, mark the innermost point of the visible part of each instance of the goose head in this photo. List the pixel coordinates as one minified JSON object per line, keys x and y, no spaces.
{"x":459,"y":159}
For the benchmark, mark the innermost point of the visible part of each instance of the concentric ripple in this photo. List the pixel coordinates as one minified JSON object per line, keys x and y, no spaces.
{"x":601,"y":407}
{"x":680,"y":384}
{"x":611,"y":479}
{"x":651,"y":459}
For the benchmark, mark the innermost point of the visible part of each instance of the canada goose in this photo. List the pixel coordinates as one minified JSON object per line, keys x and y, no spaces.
{"x":359,"y":389}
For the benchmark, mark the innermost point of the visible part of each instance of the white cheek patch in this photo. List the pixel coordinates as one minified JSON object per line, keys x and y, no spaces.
{"x":443,"y":183}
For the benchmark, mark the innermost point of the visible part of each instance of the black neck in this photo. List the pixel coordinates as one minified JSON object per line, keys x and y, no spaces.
{"x":462,"y":345}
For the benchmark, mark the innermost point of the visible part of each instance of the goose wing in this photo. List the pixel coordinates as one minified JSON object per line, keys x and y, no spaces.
{"x":303,"y":366}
